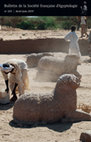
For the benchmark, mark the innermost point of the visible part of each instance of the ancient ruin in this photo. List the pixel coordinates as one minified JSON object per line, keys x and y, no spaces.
{"x":33,"y":59}
{"x":50,"y":68}
{"x":61,"y":104}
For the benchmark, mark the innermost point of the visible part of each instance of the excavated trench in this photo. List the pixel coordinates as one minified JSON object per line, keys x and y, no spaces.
{"x":27,"y":46}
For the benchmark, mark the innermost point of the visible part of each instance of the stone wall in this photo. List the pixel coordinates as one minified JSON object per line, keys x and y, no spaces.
{"x":39,"y":45}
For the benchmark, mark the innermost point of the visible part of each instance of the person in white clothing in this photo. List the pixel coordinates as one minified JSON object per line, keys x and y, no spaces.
{"x":89,"y":40}
{"x":83,"y":26}
{"x":73,"y":38}
{"x":16,"y":77}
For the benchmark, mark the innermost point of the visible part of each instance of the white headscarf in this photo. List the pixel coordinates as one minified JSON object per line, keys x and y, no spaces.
{"x":6,"y":69}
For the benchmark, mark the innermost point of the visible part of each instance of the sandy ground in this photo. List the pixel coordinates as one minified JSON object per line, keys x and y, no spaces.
{"x":25,"y":34}
{"x":57,"y":132}
{"x":34,"y":34}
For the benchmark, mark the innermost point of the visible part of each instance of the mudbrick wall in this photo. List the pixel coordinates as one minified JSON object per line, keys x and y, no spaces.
{"x":28,"y":46}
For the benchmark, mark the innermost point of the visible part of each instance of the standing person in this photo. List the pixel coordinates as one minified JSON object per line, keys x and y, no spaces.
{"x":73,"y":46}
{"x":89,"y":40}
{"x":89,"y":37}
{"x":78,"y":22}
{"x":83,"y":26}
{"x":84,"y":8}
{"x":17,"y":80}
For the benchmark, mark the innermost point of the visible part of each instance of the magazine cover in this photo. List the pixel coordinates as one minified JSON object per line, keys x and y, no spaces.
{"x":45,"y":71}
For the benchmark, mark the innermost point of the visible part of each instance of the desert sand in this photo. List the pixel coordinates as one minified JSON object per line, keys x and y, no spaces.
{"x":57,"y":132}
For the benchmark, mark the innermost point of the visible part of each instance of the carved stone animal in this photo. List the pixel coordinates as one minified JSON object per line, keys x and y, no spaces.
{"x":50,"y":68}
{"x":61,"y":104}
{"x":33,"y":59}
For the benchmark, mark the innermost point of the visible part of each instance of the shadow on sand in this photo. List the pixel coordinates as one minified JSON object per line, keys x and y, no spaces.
{"x":6,"y":106}
{"x":57,"y":126}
